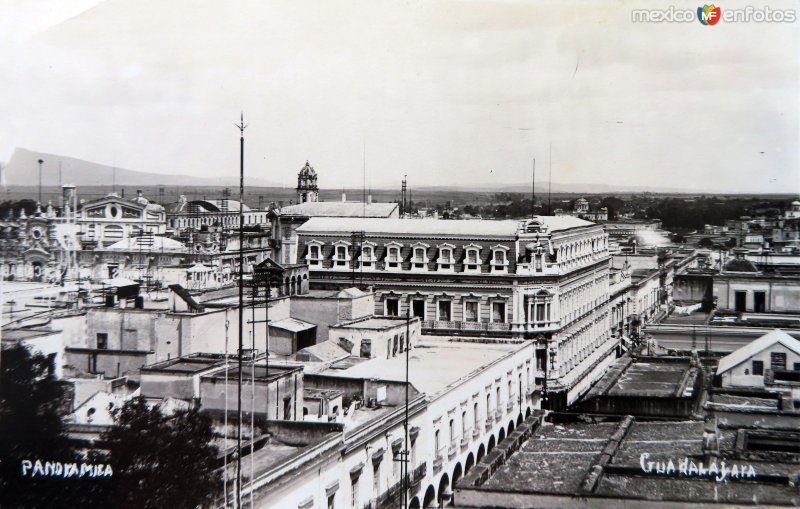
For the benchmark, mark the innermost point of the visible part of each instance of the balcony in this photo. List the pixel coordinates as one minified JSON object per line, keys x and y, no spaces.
{"x":476,"y":432}
{"x":453,"y":449}
{"x":498,"y":415}
{"x":437,"y":464}
{"x":510,"y":406}
{"x":489,"y":423}
{"x":391,"y":497}
{"x":464,"y":441}
{"x":476,"y":326}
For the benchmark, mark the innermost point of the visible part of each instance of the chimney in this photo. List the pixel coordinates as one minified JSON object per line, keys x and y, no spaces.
{"x":344,"y":197}
{"x":139,"y":193}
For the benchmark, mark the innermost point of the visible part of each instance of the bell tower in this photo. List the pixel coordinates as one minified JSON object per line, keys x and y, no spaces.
{"x":307,"y":190}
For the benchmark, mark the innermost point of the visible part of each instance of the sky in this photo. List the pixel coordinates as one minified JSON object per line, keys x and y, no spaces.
{"x":460,"y":92}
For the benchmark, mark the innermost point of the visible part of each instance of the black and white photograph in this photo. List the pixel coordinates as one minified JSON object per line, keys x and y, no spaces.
{"x":399,"y":254}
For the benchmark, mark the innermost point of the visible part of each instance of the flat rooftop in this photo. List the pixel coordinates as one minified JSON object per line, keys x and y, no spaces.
{"x":14,"y":335}
{"x":260,"y":373}
{"x":189,"y":364}
{"x":697,"y":318}
{"x":372,"y":323}
{"x":651,"y":379}
{"x":433,"y":364}
{"x":602,"y":461}
{"x":646,"y":377}
{"x":505,"y":229}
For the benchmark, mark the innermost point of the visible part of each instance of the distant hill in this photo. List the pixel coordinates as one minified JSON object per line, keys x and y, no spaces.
{"x":23,"y":168}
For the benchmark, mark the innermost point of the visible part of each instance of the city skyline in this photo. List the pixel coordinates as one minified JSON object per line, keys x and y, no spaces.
{"x":420,"y":89}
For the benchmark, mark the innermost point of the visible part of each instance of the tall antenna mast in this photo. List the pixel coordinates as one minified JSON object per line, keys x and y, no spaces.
{"x":533,"y":186}
{"x":550,"y":183}
{"x":241,"y":125}
{"x":364,"y":179}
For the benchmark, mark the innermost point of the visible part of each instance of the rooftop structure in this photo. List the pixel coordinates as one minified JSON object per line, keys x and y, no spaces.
{"x":646,"y":387}
{"x":632,"y":464}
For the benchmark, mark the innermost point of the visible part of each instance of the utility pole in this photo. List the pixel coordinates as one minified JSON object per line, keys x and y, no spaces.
{"x":241,"y":125}
{"x":404,"y":457}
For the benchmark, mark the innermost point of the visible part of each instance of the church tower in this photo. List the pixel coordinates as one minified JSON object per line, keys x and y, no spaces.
{"x":307,"y":190}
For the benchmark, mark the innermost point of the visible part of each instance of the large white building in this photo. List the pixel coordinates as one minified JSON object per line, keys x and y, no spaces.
{"x":544,"y":279}
{"x":458,"y":412}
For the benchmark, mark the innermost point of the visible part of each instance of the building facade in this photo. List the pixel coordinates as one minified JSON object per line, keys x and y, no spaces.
{"x":544,"y":279}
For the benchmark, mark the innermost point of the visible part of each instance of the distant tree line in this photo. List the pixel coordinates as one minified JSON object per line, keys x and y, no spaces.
{"x":677,"y":213}
{"x":693,"y":214}
{"x":14,"y":206}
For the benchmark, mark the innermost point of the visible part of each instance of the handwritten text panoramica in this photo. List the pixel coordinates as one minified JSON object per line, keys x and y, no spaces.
{"x":40,"y":468}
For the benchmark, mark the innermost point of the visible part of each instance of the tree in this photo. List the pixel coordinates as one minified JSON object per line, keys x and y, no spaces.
{"x":162,"y":461}
{"x":706,"y":242}
{"x":31,"y":428}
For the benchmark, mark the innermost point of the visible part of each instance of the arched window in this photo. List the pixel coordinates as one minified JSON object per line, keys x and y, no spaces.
{"x":367,"y":256}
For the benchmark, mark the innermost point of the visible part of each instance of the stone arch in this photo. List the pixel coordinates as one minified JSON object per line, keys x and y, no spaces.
{"x":444,"y":491}
{"x":527,"y":413}
{"x":430,"y":497}
{"x":519,"y":418}
{"x":469,"y":464}
{"x":458,"y":472}
{"x":414,"y":504}
{"x":491,"y":444}
{"x":481,"y":453}
{"x":501,"y":435}
{"x":510,"y":428}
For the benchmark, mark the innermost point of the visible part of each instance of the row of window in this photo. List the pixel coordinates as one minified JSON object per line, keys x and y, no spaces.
{"x":777,"y":362}
{"x":445,"y":259}
{"x":492,"y":408}
{"x":471,"y":309}
{"x":382,"y":480}
{"x":210,"y":219}
{"x":578,"y":301}
{"x":576,"y":349}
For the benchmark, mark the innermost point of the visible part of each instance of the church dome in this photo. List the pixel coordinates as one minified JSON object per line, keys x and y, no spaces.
{"x":307,"y":171}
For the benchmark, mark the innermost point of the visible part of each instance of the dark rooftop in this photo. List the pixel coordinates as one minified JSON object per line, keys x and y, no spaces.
{"x":261,"y":373}
{"x":189,"y":364}
{"x":569,"y":462}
